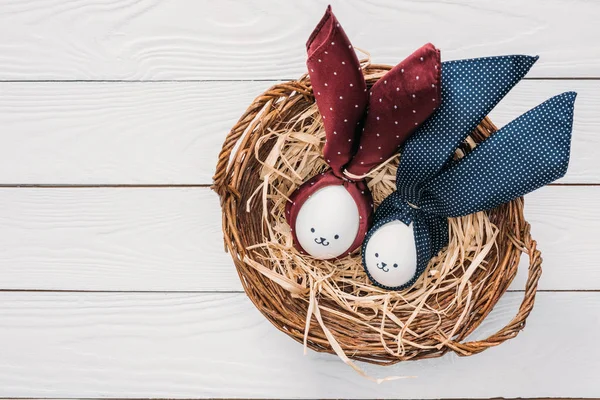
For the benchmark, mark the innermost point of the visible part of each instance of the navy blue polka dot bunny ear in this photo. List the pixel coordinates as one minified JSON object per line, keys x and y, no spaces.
{"x":411,"y":225}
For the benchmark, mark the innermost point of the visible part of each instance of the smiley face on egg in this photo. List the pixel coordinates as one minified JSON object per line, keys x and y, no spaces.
{"x":327,"y":223}
{"x":390,"y":255}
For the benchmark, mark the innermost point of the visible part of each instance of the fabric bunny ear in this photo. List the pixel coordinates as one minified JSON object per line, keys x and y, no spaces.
{"x":528,"y":153}
{"x":398,"y":103}
{"x":329,"y":215}
{"x":470,"y":90}
{"x":339,"y":87}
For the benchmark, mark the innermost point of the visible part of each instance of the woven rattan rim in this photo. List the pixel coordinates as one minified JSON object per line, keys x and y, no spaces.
{"x":237,"y":176}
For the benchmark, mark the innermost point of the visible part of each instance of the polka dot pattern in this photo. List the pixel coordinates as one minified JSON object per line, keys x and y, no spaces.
{"x":339,"y":87}
{"x":358,"y":190}
{"x":364,"y":127}
{"x":358,"y":140}
{"x":399,"y":103}
{"x":431,"y":233}
{"x":526,"y":154}
{"x":530,"y":152}
{"x":470,"y":90}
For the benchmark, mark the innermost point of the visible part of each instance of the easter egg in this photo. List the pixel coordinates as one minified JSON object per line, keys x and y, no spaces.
{"x":391,"y":254}
{"x":327,"y":222}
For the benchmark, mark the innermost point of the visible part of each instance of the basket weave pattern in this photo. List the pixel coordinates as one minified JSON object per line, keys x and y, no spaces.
{"x":238,"y":174}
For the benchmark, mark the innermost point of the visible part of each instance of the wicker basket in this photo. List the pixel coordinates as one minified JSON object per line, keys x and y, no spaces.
{"x":236,"y":179}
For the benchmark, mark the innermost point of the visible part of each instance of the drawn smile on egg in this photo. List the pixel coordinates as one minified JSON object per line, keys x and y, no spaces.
{"x":384,"y":266}
{"x":321,"y":240}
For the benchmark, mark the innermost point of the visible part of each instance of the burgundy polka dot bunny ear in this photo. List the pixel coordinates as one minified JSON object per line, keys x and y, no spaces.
{"x":330,"y":214}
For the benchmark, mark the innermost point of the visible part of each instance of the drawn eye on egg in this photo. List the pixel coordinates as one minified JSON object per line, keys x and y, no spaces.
{"x":390,"y":255}
{"x":327,"y":223}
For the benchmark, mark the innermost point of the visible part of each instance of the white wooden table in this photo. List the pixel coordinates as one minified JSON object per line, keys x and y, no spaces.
{"x":112,"y":275}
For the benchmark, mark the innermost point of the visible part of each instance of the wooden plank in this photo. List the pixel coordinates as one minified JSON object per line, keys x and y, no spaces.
{"x":218,"y":345}
{"x":264,"y":39}
{"x":171,"y":133}
{"x":564,"y":224}
{"x":117,"y":133}
{"x":113,"y":239}
{"x":169,"y":239}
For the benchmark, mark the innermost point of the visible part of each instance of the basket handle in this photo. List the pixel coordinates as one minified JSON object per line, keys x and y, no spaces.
{"x":220,"y":178}
{"x":513,"y":328}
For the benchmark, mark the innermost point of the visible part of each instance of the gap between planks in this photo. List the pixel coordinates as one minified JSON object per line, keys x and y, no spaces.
{"x":535,"y":78}
{"x":159,"y":186}
{"x":234,"y":291}
{"x":95,"y":186}
{"x":215,"y":398}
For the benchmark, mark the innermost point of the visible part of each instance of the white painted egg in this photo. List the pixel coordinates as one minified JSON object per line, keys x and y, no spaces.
{"x":391,"y":254}
{"x":327,"y":223}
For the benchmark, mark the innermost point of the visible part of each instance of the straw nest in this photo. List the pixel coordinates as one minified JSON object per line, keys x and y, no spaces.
{"x":331,"y":306}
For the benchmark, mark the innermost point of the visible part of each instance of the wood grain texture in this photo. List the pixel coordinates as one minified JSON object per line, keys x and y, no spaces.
{"x":218,"y":345}
{"x":153,"y":88}
{"x":170,"y":239}
{"x":171,"y":133}
{"x":264,"y":39}
{"x":117,"y":133}
{"x":113,"y":239}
